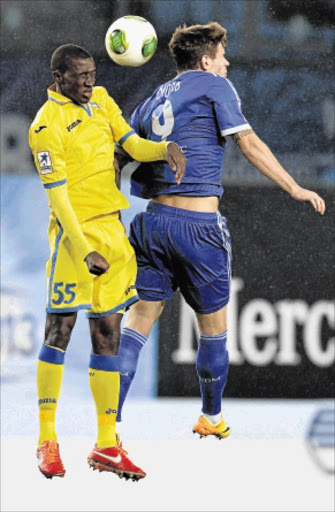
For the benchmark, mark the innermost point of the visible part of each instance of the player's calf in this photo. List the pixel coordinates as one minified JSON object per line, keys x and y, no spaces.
{"x":212,"y":369}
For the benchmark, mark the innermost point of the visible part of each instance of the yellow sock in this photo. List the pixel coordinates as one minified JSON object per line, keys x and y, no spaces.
{"x":105,"y":387}
{"x":49,"y":383}
{"x":47,"y":423}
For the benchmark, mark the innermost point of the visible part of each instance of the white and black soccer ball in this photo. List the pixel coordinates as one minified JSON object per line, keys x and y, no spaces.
{"x":131,"y":41}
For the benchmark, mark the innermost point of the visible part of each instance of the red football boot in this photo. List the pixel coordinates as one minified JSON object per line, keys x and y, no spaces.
{"x":50,"y":463}
{"x":114,"y":459}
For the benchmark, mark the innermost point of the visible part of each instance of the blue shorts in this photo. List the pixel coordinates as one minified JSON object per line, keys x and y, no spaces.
{"x":177,"y":248}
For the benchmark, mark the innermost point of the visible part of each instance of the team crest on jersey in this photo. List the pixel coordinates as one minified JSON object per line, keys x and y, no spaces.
{"x":44,"y":162}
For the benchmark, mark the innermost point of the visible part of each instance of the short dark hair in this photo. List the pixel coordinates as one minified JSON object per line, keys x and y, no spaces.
{"x":63,"y":54}
{"x":189,"y":44}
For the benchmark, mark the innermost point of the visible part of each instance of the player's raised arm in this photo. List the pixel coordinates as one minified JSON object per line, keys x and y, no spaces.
{"x":141,"y":149}
{"x":148,"y":151}
{"x":261,"y":157}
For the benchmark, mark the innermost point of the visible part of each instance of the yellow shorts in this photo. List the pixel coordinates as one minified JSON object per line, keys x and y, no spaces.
{"x":71,"y":287}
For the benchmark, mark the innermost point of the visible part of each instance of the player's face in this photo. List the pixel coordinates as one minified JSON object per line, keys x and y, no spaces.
{"x":78,"y":80}
{"x":219,"y":64}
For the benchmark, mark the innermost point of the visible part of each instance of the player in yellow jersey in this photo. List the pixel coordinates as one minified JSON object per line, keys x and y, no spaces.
{"x":92,"y":265}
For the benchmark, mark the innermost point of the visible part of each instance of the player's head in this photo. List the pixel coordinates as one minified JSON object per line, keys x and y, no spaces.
{"x":74,"y":70}
{"x":200,"y":47}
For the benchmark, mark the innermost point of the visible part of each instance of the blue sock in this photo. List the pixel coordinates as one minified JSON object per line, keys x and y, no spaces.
{"x":130,"y":346}
{"x":212,"y":369}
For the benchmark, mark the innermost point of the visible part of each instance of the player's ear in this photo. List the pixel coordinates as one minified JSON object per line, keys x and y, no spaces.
{"x":204,"y":63}
{"x":57,"y":77}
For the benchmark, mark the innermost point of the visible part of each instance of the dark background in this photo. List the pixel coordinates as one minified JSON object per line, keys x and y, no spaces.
{"x":281,"y":250}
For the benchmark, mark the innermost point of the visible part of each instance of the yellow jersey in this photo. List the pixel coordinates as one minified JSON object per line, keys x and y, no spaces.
{"x":73,"y":144}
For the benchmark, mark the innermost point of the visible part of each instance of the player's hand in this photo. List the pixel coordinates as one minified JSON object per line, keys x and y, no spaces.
{"x":96,"y":263}
{"x":302,"y":194}
{"x":176,"y":160}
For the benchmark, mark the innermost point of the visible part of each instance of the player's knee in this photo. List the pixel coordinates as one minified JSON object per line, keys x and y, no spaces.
{"x":143,"y":315}
{"x":213,"y":324}
{"x":105,"y":334}
{"x":105,"y":343}
{"x":58,"y":329}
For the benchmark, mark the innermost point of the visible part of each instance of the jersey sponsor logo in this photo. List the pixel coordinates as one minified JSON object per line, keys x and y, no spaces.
{"x":73,"y":125}
{"x":128,"y":290}
{"x":94,"y":105}
{"x":44,"y":162}
{"x":109,"y":457}
{"x":40,"y":128}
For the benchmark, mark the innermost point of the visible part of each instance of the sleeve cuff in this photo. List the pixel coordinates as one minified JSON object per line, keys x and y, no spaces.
{"x":125,"y":137}
{"x":236,"y":129}
{"x":55,"y":184}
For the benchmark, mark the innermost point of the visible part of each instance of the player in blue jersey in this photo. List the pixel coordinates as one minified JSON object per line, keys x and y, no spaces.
{"x":182,"y":241}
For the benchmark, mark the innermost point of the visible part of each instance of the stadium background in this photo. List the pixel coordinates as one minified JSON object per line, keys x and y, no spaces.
{"x":281,"y":330}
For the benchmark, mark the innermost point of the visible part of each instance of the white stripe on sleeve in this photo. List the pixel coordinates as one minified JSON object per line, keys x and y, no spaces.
{"x":235,"y":129}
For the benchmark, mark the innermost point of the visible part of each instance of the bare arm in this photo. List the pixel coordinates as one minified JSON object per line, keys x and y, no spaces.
{"x":176,"y":160}
{"x":261,"y":157}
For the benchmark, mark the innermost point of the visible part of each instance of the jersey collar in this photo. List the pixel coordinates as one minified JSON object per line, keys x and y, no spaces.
{"x":62,"y":100}
{"x":56,"y":96}
{"x":189,"y":71}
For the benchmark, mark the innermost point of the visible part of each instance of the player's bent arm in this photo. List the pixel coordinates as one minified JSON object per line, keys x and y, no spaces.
{"x":261,"y":157}
{"x":144,"y":150}
{"x":60,"y":203}
{"x":148,"y":151}
{"x":140,"y":149}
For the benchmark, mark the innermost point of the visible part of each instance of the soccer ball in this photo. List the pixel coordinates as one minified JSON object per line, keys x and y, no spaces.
{"x":131,"y":41}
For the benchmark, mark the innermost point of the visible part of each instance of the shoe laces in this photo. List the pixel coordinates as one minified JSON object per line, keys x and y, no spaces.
{"x":122,"y":449}
{"x":52,"y":452}
{"x":119,"y":444}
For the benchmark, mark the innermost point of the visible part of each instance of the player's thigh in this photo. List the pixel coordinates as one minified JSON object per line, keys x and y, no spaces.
{"x":143,"y":314}
{"x":69,"y":284}
{"x":213,"y":323}
{"x":204,"y":257}
{"x":155,"y":281}
{"x":114,"y":291}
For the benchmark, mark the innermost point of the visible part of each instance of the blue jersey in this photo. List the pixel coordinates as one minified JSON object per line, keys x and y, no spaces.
{"x":196,"y":110}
